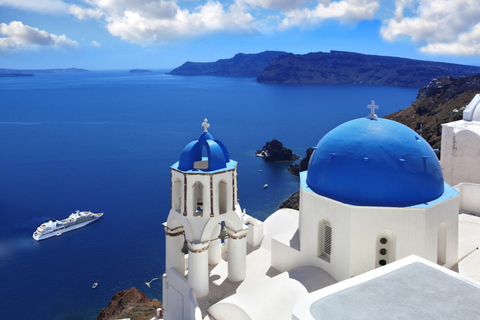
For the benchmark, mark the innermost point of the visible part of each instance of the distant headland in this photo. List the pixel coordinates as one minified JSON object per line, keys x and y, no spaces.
{"x":139,"y":70}
{"x":32,"y":72}
{"x":4,"y":75}
{"x":327,"y":67}
{"x":241,"y":65}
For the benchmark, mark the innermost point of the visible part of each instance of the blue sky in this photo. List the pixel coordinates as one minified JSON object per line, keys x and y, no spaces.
{"x":163,"y":34}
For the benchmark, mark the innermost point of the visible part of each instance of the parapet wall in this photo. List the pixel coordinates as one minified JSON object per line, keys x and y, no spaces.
{"x":469,"y":197}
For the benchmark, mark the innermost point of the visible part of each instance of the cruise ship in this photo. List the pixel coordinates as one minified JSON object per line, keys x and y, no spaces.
{"x":54,"y":227}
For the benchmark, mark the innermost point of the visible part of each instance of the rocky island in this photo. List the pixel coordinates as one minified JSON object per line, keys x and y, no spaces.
{"x":241,"y":65}
{"x":275,"y":151}
{"x":356,"y":68}
{"x":131,"y":303}
{"x":327,"y":67}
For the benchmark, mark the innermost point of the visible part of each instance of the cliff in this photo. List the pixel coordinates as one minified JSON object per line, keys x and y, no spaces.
{"x":442,"y":100}
{"x":275,"y":151}
{"x":131,"y":303}
{"x":293,"y":202}
{"x":356,"y":68}
{"x":295,"y":169}
{"x":241,"y":65}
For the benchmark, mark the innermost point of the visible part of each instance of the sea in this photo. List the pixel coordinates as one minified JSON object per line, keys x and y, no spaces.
{"x":104,"y":141}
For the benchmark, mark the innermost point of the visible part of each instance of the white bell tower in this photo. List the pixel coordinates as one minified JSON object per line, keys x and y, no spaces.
{"x":204,"y":205}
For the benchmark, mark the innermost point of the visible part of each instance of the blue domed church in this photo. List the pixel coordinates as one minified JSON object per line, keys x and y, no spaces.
{"x":374,"y":210}
{"x":373,"y":194}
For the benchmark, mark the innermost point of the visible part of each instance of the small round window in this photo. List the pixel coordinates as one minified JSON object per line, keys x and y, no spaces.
{"x":383,"y":251}
{"x":382,"y":262}
{"x":383,"y":240}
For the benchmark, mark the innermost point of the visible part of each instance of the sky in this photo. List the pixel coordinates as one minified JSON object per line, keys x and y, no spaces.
{"x":163,"y":34}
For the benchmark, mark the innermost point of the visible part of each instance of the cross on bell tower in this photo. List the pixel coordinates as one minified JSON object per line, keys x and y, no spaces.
{"x":372,"y":106}
{"x":205,"y":125}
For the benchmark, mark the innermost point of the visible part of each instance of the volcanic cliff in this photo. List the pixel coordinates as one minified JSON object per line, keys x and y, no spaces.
{"x":350,"y":67}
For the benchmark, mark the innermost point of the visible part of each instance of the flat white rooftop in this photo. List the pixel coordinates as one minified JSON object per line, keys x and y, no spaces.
{"x":411,"y":288}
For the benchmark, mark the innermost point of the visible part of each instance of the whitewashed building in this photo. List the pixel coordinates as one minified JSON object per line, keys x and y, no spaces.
{"x":374,"y":194}
{"x":460,"y":153}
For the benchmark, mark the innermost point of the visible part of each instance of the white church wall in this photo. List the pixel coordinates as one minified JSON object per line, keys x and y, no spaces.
{"x":469,"y":198}
{"x":315,"y":210}
{"x":283,"y":256}
{"x":460,"y":152}
{"x":255,"y":230}
{"x":445,"y":213}
{"x":413,"y":231}
{"x":357,"y":231}
{"x":404,"y":227}
{"x":179,"y":301}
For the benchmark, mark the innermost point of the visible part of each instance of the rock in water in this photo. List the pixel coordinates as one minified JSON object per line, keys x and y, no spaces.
{"x":295,"y":169}
{"x":275,"y":151}
{"x":131,"y":303}
{"x":292,"y":202}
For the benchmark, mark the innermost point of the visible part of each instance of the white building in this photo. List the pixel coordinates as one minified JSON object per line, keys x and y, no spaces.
{"x":373,"y":194}
{"x":460,"y":154}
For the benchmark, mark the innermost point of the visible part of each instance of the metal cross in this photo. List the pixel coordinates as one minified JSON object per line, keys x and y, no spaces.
{"x":372,"y":106}
{"x":205,"y":125}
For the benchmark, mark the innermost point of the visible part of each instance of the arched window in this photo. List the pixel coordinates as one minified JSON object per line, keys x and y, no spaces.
{"x":325,"y":240}
{"x":177,"y":195}
{"x":197,"y":203}
{"x":385,"y":248}
{"x":442,"y":244}
{"x":223,"y":197}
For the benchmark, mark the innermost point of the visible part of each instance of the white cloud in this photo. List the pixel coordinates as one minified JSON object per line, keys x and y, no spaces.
{"x":95,"y":44}
{"x":17,"y":36}
{"x":158,"y":21}
{"x":82,"y":13}
{"x":138,"y":22}
{"x":438,"y":26}
{"x":42,"y":6}
{"x":277,"y":4}
{"x":351,"y":11}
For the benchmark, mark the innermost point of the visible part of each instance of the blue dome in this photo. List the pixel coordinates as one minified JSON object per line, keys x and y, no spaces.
{"x":216,"y":154}
{"x":375,"y":162}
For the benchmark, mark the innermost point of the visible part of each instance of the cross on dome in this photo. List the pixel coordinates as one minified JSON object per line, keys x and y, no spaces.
{"x":205,"y":125}
{"x":372,"y":106}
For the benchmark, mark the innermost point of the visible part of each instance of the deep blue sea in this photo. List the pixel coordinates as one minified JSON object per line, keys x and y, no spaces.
{"x":104,"y":141}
